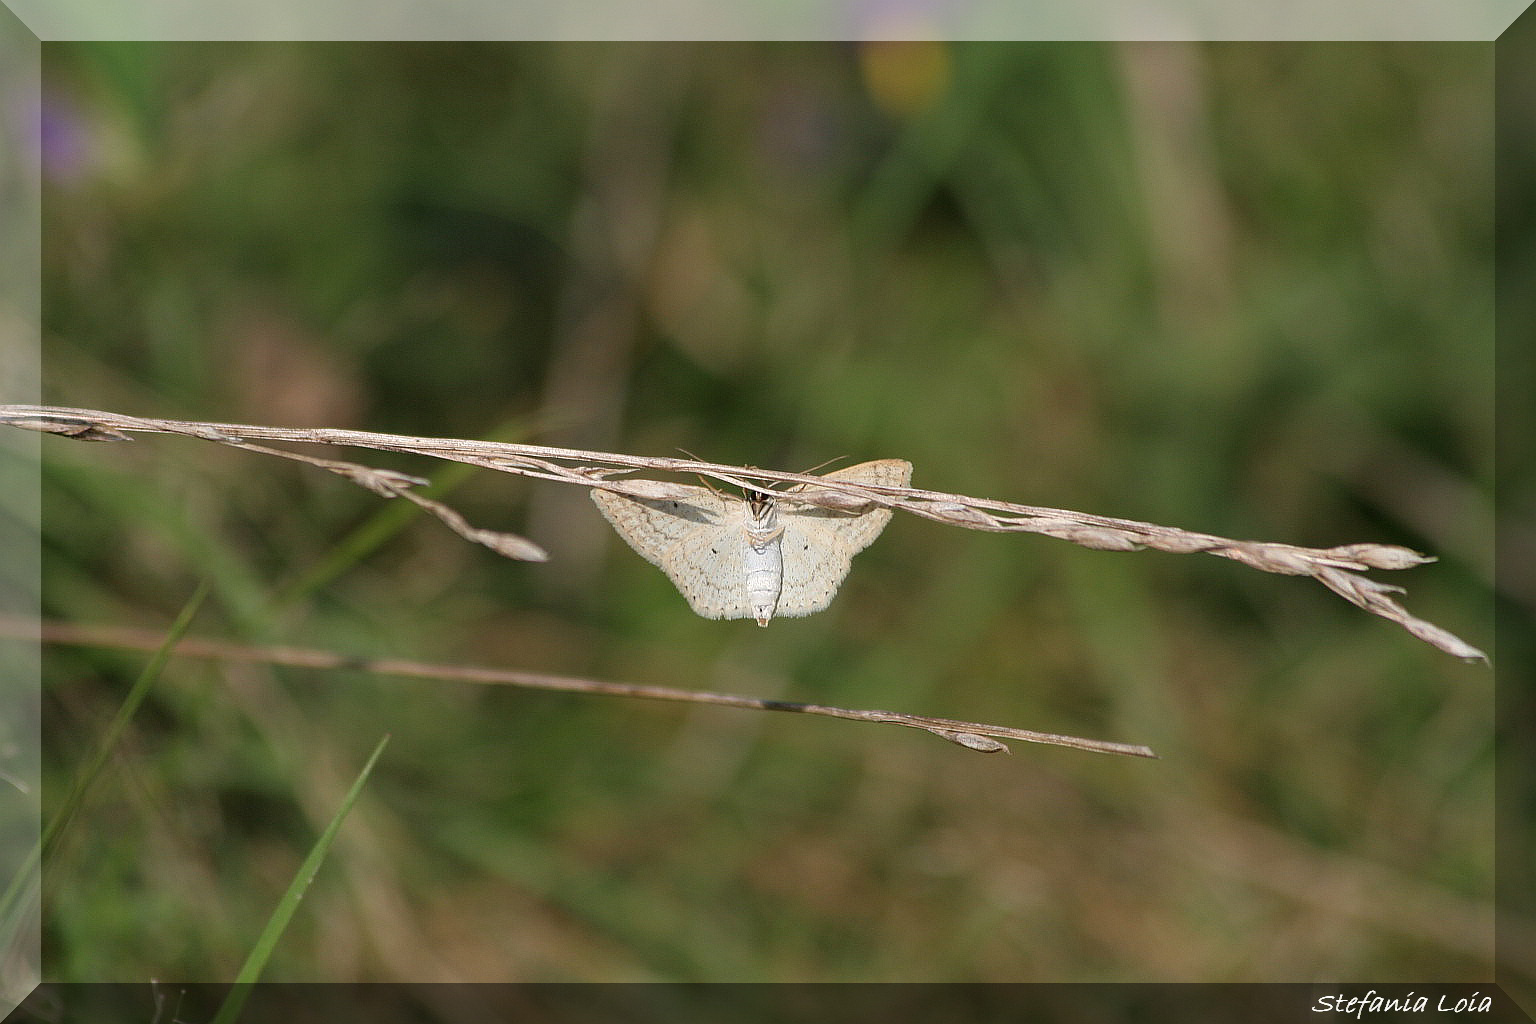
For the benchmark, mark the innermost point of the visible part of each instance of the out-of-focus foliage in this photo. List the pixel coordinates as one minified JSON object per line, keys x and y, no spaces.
{"x":1241,"y":289}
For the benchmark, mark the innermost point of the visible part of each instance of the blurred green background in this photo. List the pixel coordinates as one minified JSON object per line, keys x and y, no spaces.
{"x":1241,"y":289}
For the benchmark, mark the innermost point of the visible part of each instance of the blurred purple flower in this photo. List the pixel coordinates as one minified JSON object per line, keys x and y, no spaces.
{"x":63,"y":140}
{"x":902,"y":19}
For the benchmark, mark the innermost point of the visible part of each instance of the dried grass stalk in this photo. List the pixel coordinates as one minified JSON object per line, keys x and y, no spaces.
{"x":1339,"y":569}
{"x":978,"y":736}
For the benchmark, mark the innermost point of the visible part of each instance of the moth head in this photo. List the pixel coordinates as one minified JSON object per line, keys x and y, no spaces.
{"x":759,"y":506}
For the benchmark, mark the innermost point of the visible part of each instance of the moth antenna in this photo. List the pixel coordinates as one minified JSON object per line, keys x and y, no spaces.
{"x":824,"y":465}
{"x":702,"y":478}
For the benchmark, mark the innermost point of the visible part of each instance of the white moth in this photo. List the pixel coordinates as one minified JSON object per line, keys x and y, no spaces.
{"x":756,"y":556}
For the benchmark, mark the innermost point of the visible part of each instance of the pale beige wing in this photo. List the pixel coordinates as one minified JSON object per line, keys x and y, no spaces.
{"x":816,"y":561}
{"x":819,"y":544}
{"x":695,"y":539}
{"x":858,"y":529}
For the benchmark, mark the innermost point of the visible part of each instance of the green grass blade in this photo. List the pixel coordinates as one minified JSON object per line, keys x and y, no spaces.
{"x":378,"y":528}
{"x":289,"y":904}
{"x":130,"y":706}
{"x":369,"y":535}
{"x":12,"y":904}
